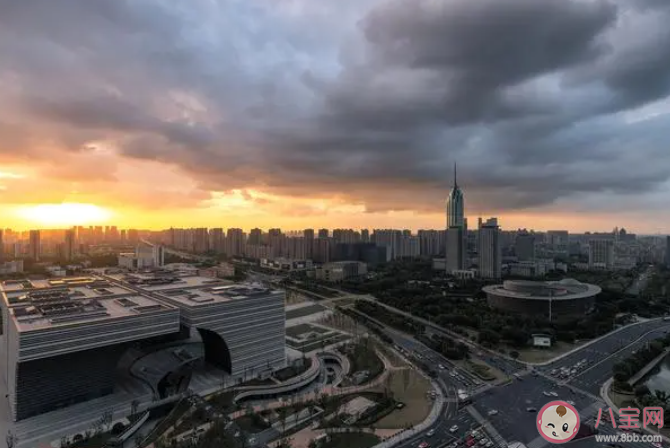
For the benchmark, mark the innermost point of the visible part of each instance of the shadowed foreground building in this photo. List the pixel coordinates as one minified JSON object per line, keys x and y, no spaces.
{"x":63,"y":339}
{"x":554,"y":300}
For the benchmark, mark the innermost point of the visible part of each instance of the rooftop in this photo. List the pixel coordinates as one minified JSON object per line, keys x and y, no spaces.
{"x":567,"y":289}
{"x":78,"y":287}
{"x":39,"y":304}
{"x":40,"y":311}
{"x":217,"y":293}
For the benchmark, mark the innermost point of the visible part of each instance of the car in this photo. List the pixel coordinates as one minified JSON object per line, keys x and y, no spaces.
{"x":423,"y":445}
{"x":570,"y":402}
{"x":493,"y":412}
{"x":431,"y":433}
{"x":546,"y":394}
{"x":453,"y":429}
{"x":531,"y":409}
{"x":441,"y":366}
{"x":553,"y":394}
{"x":489,"y":444}
{"x":400,"y":405}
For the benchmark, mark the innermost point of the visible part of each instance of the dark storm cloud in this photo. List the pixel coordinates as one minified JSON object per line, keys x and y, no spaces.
{"x":374,"y":103}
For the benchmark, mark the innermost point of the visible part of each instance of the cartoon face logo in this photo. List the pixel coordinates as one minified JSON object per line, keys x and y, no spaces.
{"x":558,"y":422}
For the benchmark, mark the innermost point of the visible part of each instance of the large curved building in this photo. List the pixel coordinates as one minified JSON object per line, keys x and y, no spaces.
{"x":567,"y":297}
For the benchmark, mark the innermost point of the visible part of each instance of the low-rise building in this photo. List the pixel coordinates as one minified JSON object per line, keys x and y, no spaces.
{"x":11,"y":267}
{"x":338,"y":271}
{"x":286,"y":264}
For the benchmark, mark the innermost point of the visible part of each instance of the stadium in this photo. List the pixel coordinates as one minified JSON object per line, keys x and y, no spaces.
{"x":565,"y":298}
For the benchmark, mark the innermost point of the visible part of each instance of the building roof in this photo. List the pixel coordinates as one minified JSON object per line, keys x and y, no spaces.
{"x":567,"y":289}
{"x":216,"y":293}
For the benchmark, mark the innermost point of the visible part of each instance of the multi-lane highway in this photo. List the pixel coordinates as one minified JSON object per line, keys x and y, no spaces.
{"x":511,"y":409}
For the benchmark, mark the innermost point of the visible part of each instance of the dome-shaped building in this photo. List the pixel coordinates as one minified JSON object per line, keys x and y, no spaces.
{"x":564,"y":298}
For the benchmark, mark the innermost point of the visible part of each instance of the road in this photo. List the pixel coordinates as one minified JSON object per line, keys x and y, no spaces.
{"x":511,"y":409}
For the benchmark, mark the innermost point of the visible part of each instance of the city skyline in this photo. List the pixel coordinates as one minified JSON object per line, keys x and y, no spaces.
{"x":319,"y":122}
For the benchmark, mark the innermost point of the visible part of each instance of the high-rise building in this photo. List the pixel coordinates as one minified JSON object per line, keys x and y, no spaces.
{"x":601,"y":254}
{"x":490,"y":257}
{"x":524,"y":246}
{"x":667,"y":251}
{"x":217,"y":240}
{"x":455,"y":206}
{"x":455,"y":249}
{"x":69,"y":245}
{"x":35,"y":245}
{"x":235,"y":242}
{"x":323,"y":233}
{"x":429,"y":243}
{"x":457,"y":229}
{"x":255,"y":236}
{"x":365,"y":236}
{"x":2,"y":246}
{"x":200,"y":240}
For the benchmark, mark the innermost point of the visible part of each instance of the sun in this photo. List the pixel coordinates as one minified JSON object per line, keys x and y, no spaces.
{"x":65,"y":214}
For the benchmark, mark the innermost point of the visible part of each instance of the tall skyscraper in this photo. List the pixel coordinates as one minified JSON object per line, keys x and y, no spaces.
{"x":2,"y":246}
{"x":69,"y":245}
{"x":456,"y":229}
{"x":35,"y":245}
{"x":490,"y":256}
{"x":667,"y":251}
{"x":455,"y":206}
{"x":323,"y":233}
{"x":217,"y":240}
{"x":524,"y":246}
{"x":601,"y":254}
{"x":255,"y":236}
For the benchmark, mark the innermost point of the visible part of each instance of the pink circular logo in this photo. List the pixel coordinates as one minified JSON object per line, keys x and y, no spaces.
{"x":558,"y":422}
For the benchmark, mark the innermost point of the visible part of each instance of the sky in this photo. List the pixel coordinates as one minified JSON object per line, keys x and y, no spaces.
{"x":335,"y":113}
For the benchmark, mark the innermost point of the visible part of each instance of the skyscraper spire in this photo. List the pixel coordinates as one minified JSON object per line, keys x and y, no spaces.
{"x":455,"y":183}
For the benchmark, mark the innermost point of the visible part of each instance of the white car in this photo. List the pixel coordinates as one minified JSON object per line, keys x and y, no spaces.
{"x":453,"y":429}
{"x":493,"y":412}
{"x":431,"y":433}
{"x":553,"y":394}
{"x":570,"y":402}
{"x":546,"y":394}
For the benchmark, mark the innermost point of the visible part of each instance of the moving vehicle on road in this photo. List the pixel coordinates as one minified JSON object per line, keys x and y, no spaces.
{"x":453,"y":429}
{"x":431,"y":433}
{"x":423,"y":445}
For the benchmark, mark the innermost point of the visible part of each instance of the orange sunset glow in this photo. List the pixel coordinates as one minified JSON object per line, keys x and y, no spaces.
{"x":316,"y":122}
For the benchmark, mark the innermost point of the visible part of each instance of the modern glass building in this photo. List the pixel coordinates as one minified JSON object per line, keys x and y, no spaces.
{"x":63,"y":340}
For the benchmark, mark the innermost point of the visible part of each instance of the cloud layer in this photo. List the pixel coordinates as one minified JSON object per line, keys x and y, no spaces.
{"x":370,"y":101}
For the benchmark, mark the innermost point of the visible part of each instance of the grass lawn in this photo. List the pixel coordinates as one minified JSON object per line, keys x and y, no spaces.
{"x":252,"y":423}
{"x":362,"y":356}
{"x":541,"y":355}
{"x":391,"y":355}
{"x":351,"y":440}
{"x":408,"y":387}
{"x":483,"y":371}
